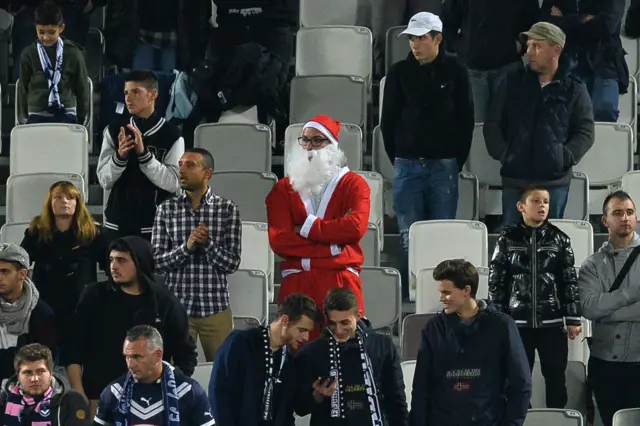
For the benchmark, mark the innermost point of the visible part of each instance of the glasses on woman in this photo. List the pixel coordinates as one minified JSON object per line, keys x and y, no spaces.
{"x":315,"y":142}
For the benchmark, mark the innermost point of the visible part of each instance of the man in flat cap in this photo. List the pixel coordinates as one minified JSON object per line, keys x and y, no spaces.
{"x":540,"y":124}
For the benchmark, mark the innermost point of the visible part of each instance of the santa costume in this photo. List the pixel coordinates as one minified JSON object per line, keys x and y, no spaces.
{"x":317,"y":217}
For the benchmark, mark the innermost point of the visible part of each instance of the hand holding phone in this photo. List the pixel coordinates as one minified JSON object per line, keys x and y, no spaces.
{"x":324,"y":387}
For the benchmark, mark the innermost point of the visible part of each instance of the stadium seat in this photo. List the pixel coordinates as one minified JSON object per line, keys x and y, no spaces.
{"x":376,"y":214}
{"x":236,"y":146}
{"x":26,"y":193}
{"x":468,"y":196}
{"x":350,"y":138}
{"x":94,"y":55}
{"x":628,"y":106}
{"x":256,"y":251}
{"x":202,"y":374}
{"x":49,"y":148}
{"x":630,"y":45}
{"x":382,"y":299}
{"x":410,"y":336}
{"x":581,"y":234}
{"x":371,"y":246}
{"x":631,"y":184}
{"x":381,"y":162}
{"x":576,"y":374}
{"x":334,"y":50}
{"x":548,"y":417}
{"x":344,"y":98}
{"x":98,"y":16}
{"x":397,"y":48}
{"x":314,"y":13}
{"x":247,"y":189}
{"x":240,"y":115}
{"x":480,"y":162}
{"x":381,"y":97}
{"x":628,"y":417}
{"x":577,"y":207}
{"x":408,"y":371}
{"x":249,"y":294}
{"x":13,"y":233}
{"x":427,"y":296}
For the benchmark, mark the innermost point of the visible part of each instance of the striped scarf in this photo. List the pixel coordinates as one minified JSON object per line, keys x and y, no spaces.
{"x":22,"y":409}
{"x":53,"y":73}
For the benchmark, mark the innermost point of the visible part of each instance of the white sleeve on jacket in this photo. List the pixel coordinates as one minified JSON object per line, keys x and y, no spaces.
{"x":163,"y":175}
{"x":110,"y":167}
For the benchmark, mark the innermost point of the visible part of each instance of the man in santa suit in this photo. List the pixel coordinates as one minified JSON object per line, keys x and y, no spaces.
{"x":318,"y":215}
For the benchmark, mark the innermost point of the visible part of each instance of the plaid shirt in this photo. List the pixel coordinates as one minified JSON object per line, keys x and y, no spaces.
{"x":159,"y":40}
{"x":198,"y":278}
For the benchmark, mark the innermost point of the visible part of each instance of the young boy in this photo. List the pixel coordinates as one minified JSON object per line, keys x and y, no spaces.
{"x":533,"y":280}
{"x":53,"y":74}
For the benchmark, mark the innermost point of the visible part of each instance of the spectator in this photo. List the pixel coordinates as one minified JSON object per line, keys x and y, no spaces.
{"x":153,"y":391}
{"x":485,"y":35}
{"x":540,"y":124}
{"x":64,"y":243}
{"x":428,"y":90}
{"x":351,"y":375}
{"x":53,"y":76}
{"x":197,"y":242}
{"x":38,"y":396}
{"x":252,"y":381}
{"x":471,"y":366}
{"x":318,"y":215}
{"x":138,"y":163}
{"x":534,"y":281}
{"x":610,"y":298}
{"x":109,"y":308}
{"x":24,"y":317}
{"x":632,"y":20}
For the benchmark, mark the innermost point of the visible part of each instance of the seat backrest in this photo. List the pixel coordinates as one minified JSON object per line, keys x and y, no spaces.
{"x":13,"y":233}
{"x":94,"y":54}
{"x":412,"y":326}
{"x":397,"y":48}
{"x":383,"y":80}
{"x":576,"y":382}
{"x":611,"y":155}
{"x":236,"y":146}
{"x":370,"y":244}
{"x":247,"y":189}
{"x":381,"y":162}
{"x":256,"y":251}
{"x":427,"y":296}
{"x":408,"y":372}
{"x":631,"y":184}
{"x":468,"y":196}
{"x":202,"y":374}
{"x":376,"y":185}
{"x":249,"y":294}
{"x":480,"y":162}
{"x":328,"y":12}
{"x":628,"y":104}
{"x":627,"y":417}
{"x":548,"y":416}
{"x":577,"y":207}
{"x":630,"y":45}
{"x":382,"y":297}
{"x":581,"y":234}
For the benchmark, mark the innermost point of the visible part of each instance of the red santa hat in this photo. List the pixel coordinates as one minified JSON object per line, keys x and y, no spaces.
{"x":327,"y":125}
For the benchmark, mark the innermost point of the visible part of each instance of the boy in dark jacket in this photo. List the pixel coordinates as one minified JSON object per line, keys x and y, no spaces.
{"x":471,"y":368}
{"x":40,"y":396}
{"x":533,"y":279}
{"x":351,"y":375}
{"x":252,"y":381}
{"x":108,"y":309}
{"x":53,"y":75}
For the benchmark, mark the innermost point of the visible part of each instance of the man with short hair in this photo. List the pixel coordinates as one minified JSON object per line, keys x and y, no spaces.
{"x":318,"y":215}
{"x":471,"y":366}
{"x":197,"y":239}
{"x":252,"y":381}
{"x":139,"y":160}
{"x":351,"y":375}
{"x":24,"y":317}
{"x":153,"y":392}
{"x":540,"y":124}
{"x":611,"y":300}
{"x":38,"y":396}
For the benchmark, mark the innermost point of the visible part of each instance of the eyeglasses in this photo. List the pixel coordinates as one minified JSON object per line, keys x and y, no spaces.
{"x":315,"y":142}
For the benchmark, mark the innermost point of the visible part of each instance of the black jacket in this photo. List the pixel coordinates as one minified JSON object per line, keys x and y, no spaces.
{"x":539,"y":134}
{"x":471,"y":374}
{"x":102,"y":321}
{"x":632,"y":20}
{"x":312,"y":362}
{"x":533,"y":278}
{"x":428,"y":110}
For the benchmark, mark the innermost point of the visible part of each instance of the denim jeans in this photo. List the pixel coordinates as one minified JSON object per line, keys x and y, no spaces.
{"x":484,"y":85}
{"x":422,"y":190}
{"x":604,"y":94}
{"x":147,"y":57}
{"x":510,"y":197}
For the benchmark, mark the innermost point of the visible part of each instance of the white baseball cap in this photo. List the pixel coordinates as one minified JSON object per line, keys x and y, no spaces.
{"x":421,"y":23}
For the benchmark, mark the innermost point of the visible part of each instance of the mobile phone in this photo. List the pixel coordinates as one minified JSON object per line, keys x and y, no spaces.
{"x":331,"y":379}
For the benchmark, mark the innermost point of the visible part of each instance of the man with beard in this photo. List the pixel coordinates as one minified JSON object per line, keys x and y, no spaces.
{"x":351,"y":375}
{"x":252,"y":381}
{"x":318,"y":215}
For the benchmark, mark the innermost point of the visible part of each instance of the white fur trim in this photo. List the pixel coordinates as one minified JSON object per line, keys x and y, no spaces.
{"x":306,"y":226}
{"x":323,"y":129}
{"x":306,"y":264}
{"x":335,"y":250}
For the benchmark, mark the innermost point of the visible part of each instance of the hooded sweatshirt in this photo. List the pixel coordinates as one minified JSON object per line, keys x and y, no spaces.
{"x":105,"y":313}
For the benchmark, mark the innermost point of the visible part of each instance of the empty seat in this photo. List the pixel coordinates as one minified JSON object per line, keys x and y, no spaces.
{"x":480,"y":162}
{"x":397,"y":48}
{"x":581,"y":234}
{"x":27,"y":193}
{"x":350,"y":142}
{"x":427,"y":296}
{"x":631,"y":184}
{"x":94,"y":54}
{"x":49,"y":148}
{"x":315,"y":13}
{"x":376,"y":214}
{"x":577,"y":207}
{"x":13,"y":233}
{"x":408,"y":372}
{"x":236,"y":146}
{"x":628,"y":417}
{"x":468,"y":196}
{"x":548,"y":417}
{"x":381,"y":162}
{"x":249,"y":294}
{"x":611,"y":155}
{"x":247,"y":189}
{"x":334,"y":50}
{"x":256,"y":251}
{"x":381,"y":292}
{"x":202,"y":374}
{"x":410,"y":336}
{"x":344,"y":98}
{"x":370,"y":244}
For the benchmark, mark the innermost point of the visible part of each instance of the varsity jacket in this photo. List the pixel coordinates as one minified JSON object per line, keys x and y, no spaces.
{"x":139,"y":183}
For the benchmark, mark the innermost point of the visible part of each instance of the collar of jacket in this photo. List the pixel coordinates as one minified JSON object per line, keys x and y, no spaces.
{"x":566,"y":67}
{"x":530,"y":229}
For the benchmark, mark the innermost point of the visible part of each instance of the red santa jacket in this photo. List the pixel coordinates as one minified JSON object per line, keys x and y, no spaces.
{"x":329,"y":238}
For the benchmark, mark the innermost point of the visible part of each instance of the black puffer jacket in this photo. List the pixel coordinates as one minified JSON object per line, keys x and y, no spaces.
{"x":533,"y":277}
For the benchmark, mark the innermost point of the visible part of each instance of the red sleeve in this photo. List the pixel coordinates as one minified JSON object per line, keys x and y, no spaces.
{"x":348,"y":229}
{"x":283,"y":239}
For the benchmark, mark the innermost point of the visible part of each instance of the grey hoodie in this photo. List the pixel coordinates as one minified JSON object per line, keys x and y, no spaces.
{"x":615,"y":315}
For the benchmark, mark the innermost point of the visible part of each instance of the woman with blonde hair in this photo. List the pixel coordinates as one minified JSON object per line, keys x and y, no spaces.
{"x":66,"y":245}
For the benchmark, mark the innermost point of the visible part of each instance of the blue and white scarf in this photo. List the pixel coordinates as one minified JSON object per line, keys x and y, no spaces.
{"x":169,"y":395}
{"x":53,"y":74}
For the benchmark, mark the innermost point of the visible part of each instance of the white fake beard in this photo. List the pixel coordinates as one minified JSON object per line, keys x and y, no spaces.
{"x":309,"y":171}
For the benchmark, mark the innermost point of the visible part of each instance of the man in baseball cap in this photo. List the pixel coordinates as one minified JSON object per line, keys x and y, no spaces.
{"x":422,"y":23}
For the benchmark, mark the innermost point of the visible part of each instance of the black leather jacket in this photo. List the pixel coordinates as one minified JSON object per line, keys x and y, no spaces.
{"x":533,"y":277}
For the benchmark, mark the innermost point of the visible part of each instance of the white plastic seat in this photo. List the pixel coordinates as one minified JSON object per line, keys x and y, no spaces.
{"x":397,"y":47}
{"x":249,"y":294}
{"x":410,"y":335}
{"x":382,"y":296}
{"x":627,"y":417}
{"x":468,"y":196}
{"x":13,"y":233}
{"x":577,"y":207}
{"x":370,"y":244}
{"x":630,"y":45}
{"x":376,"y":214}
{"x":427,"y":296}
{"x":247,"y":189}
{"x":611,"y":155}
{"x":480,"y":162}
{"x":381,"y":162}
{"x":236,"y":146}
{"x":581,"y":234}
{"x":628,"y":104}
{"x":202,"y":374}
{"x":26,"y":193}
{"x":548,"y":417}
{"x":408,"y":372}
{"x":315,"y":13}
{"x":240,"y":115}
{"x":631,"y":184}
{"x":256,"y":251}
{"x":576,"y":382}
{"x":383,"y":80}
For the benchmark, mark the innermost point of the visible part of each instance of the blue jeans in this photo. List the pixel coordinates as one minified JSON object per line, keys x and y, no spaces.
{"x":510,"y":197}
{"x":422,"y":190}
{"x":147,"y":57}
{"x":485,"y":84}
{"x":604,"y":94}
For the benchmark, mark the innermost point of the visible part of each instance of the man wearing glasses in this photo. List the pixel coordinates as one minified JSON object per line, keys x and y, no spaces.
{"x":318,"y":215}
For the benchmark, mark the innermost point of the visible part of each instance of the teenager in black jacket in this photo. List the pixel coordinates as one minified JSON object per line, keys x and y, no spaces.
{"x":109,"y":308}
